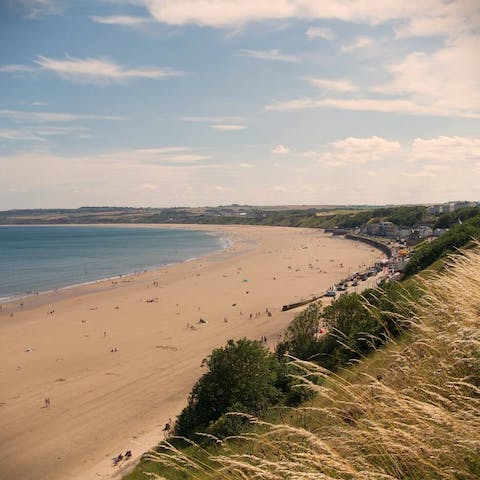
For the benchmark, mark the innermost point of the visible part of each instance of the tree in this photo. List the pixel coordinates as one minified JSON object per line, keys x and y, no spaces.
{"x":300,"y":340}
{"x":242,"y":376}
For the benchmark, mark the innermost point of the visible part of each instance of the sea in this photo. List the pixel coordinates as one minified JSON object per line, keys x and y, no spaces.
{"x":43,"y":258}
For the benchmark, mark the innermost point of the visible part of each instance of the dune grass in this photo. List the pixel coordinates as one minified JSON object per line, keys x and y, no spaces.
{"x":411,"y":411}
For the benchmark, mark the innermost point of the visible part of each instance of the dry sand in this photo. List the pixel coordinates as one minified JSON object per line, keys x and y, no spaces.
{"x":102,"y":402}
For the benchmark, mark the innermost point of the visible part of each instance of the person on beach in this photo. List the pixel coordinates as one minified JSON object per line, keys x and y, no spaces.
{"x":168,"y":426}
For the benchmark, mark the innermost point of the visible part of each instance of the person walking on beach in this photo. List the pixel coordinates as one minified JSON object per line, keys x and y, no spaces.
{"x":168,"y":426}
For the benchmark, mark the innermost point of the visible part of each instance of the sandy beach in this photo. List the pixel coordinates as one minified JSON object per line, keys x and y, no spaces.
{"x":103,"y":402}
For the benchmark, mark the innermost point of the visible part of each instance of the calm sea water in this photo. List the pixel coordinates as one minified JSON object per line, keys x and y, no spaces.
{"x":43,"y":258}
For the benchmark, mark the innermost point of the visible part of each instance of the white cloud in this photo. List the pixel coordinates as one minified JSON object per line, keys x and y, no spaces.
{"x":430,"y":170}
{"x":97,"y":71}
{"x":123,"y":177}
{"x":294,"y":189}
{"x":453,"y":150}
{"x":38,"y":8}
{"x":100,"y":71}
{"x":353,"y":150}
{"x":124,"y":20}
{"x":233,"y":13}
{"x":162,"y":155}
{"x":19,"y":135}
{"x":17,"y":68}
{"x":443,"y":17}
{"x":376,"y":105}
{"x":48,"y":131}
{"x":217,"y":13}
{"x":246,"y":165}
{"x":320,"y":32}
{"x":148,"y":186}
{"x":367,"y":104}
{"x":357,"y":44}
{"x":447,"y":80}
{"x":39,"y":133}
{"x":220,"y":124}
{"x":212,"y":119}
{"x":446,"y":18}
{"x":329,"y":84}
{"x":227,"y":127}
{"x":23,"y":116}
{"x":280,"y":150}
{"x":274,"y":54}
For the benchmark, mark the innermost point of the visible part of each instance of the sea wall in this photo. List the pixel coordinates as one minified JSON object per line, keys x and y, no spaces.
{"x":371,"y":241}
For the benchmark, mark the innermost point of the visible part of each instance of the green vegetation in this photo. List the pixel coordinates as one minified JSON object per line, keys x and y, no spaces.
{"x":403,"y":216}
{"x":242,"y":377}
{"x":457,"y":237}
{"x":409,"y":412}
{"x":355,"y":325}
{"x":327,"y":217}
{"x":447,"y":220}
{"x":245,"y":377}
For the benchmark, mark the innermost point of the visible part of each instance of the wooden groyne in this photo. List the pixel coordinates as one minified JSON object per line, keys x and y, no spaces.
{"x":302,"y":303}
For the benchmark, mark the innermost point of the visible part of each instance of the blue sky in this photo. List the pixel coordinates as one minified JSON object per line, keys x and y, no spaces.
{"x":207,"y":102}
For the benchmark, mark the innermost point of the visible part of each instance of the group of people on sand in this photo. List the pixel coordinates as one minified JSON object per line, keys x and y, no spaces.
{"x":268,"y":313}
{"x":47,"y":402}
{"x":120,"y":457}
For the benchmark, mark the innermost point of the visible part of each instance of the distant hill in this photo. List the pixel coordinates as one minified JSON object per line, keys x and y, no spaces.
{"x":296,"y":216}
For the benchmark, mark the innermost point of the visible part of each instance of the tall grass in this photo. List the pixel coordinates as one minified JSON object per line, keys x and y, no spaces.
{"x":417,"y":419}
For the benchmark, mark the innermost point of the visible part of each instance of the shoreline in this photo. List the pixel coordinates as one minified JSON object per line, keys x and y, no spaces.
{"x":105,"y":402}
{"x":228,"y":242}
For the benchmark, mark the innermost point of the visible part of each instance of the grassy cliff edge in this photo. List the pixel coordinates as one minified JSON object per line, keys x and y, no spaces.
{"x":413,"y":413}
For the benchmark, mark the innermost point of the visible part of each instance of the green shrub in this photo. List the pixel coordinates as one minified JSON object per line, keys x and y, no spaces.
{"x":300,"y":339}
{"x":355,"y":324}
{"x":243,"y":376}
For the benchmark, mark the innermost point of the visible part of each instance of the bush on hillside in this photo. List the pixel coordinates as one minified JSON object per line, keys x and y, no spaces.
{"x":356,"y":324}
{"x":300,"y":339}
{"x":241,"y":377}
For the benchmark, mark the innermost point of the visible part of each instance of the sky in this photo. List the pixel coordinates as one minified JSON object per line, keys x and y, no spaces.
{"x":162,"y":103}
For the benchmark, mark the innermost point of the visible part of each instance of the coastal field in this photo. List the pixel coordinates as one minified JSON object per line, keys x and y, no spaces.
{"x":117,"y":359}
